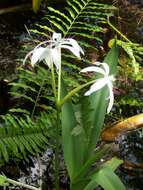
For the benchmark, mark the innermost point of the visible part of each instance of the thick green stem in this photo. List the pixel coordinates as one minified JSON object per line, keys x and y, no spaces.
{"x":74,"y":91}
{"x":114,"y":28}
{"x":57,"y":165}
{"x":16,"y":183}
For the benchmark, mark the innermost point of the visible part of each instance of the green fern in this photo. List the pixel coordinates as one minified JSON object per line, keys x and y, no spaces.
{"x":19,"y":136}
{"x":32,"y":89}
{"x":81,"y":19}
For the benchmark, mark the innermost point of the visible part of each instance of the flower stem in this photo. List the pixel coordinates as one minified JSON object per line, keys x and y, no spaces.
{"x":59,"y":77}
{"x":57,"y":166}
{"x":17,"y":183}
{"x":74,"y":91}
{"x":53,"y":80}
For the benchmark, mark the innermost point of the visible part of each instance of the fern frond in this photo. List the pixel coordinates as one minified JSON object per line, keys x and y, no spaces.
{"x":79,"y":15}
{"x":32,"y":88}
{"x":22,"y":136}
{"x":82,"y":20}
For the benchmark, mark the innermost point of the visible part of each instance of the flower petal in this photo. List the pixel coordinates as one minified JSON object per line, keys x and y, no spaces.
{"x":74,"y":50}
{"x":39,"y":54}
{"x":49,"y":59}
{"x":93,"y":69}
{"x":56,"y":56}
{"x":100,"y":83}
{"x":111,"y":97}
{"x":27,"y":56}
{"x":73,"y":43}
{"x":105,"y":67}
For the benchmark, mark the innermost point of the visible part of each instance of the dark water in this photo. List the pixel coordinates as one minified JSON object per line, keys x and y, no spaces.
{"x":131,"y":151}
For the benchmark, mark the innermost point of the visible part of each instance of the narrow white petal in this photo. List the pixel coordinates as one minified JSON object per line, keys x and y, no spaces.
{"x":48,"y":59}
{"x":56,"y":56}
{"x":72,"y":49}
{"x":93,"y":69}
{"x":38,"y":55}
{"x":111,"y":97}
{"x":73,"y":43}
{"x":105,"y":67}
{"x":26,"y":57}
{"x":100,"y":83}
{"x":87,"y":93}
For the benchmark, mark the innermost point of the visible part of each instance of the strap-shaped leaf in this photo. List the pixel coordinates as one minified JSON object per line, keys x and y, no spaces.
{"x":72,"y":144}
{"x":86,"y":168}
{"x":106,"y":177}
{"x":98,"y":102}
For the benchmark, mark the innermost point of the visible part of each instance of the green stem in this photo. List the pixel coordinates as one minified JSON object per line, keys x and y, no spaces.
{"x":16,"y":183}
{"x":74,"y":91}
{"x":57,"y":150}
{"x":37,"y":98}
{"x":59,"y":78}
{"x":53,"y":80}
{"x":114,"y":28}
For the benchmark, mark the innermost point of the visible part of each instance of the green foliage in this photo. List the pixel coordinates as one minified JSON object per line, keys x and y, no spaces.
{"x":33,"y":88}
{"x":82,"y":18}
{"x":135,"y":54}
{"x":21,"y":135}
{"x":106,"y":177}
{"x":80,"y":137}
{"x":72,"y":21}
{"x":80,"y":124}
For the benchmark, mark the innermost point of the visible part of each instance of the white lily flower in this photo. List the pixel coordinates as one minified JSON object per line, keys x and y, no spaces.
{"x":51,"y":54}
{"x":101,"y":82}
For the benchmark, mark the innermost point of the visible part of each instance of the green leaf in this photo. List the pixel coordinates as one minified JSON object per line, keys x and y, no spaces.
{"x":73,"y":146}
{"x":107,"y":179}
{"x":113,"y":163}
{"x":98,"y":154}
{"x":98,"y":102}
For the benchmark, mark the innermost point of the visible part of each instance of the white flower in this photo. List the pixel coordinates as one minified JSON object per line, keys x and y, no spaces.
{"x":51,"y":54}
{"x":101,"y":82}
